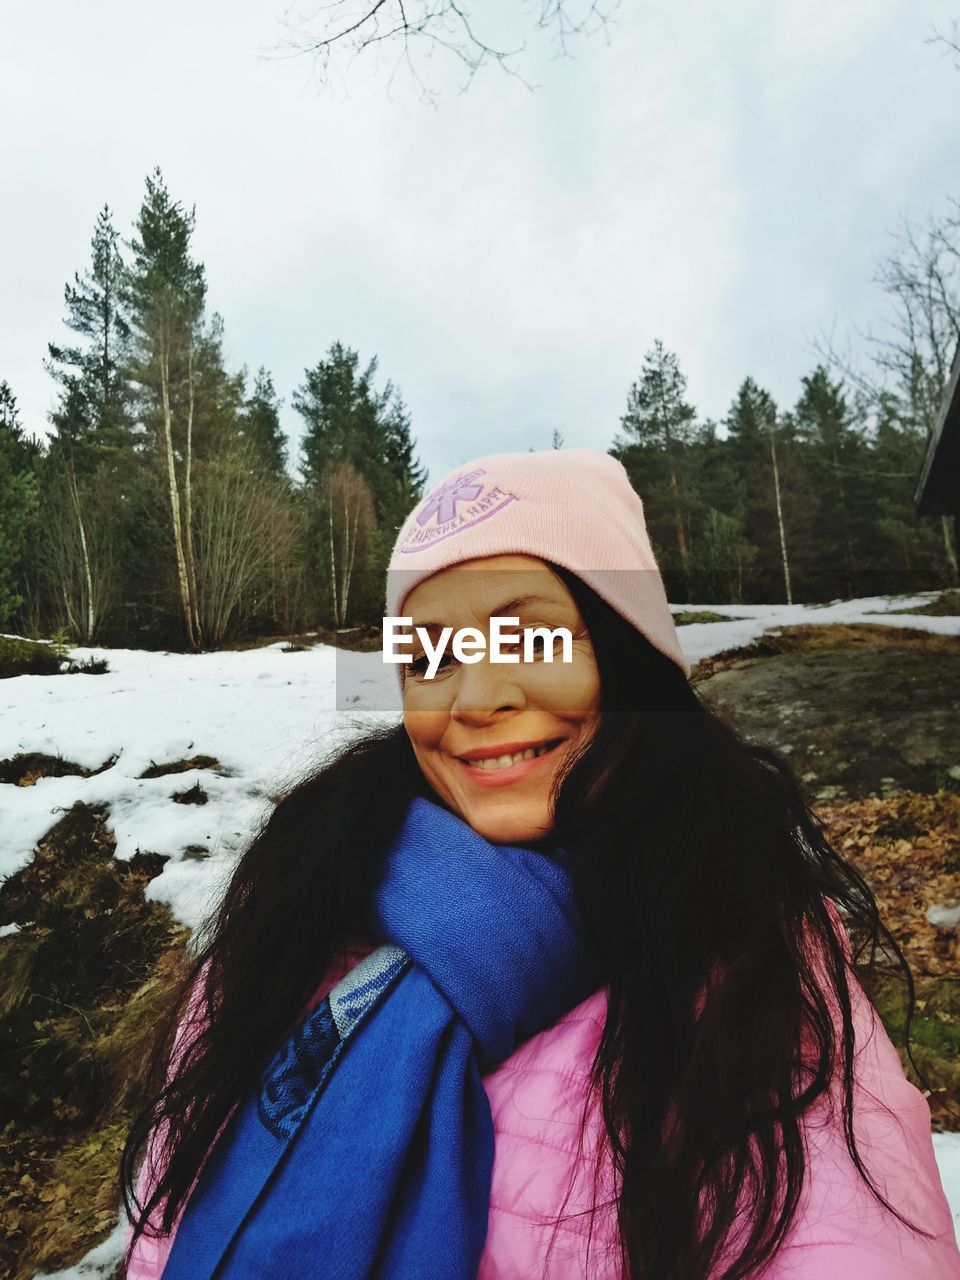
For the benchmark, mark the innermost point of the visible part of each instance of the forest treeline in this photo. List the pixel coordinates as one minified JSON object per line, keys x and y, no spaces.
{"x":163,"y":510}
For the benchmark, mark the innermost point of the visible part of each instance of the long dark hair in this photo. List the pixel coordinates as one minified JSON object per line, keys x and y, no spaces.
{"x":704,"y":880}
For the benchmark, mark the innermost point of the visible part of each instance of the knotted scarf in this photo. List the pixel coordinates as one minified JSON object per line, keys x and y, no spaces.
{"x":368,"y":1149}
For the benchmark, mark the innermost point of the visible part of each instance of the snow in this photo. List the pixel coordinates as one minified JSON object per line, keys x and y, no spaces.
{"x":703,"y":639}
{"x":947,"y":1149}
{"x":267,"y":717}
{"x":101,"y":1261}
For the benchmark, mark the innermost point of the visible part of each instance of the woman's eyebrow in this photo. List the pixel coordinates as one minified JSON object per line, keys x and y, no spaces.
{"x":506,"y":609}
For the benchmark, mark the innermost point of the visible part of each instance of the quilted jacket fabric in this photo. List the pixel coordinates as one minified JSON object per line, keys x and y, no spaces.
{"x":537,"y":1097}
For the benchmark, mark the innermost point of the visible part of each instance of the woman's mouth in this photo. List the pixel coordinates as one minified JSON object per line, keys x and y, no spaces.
{"x":496,"y":771}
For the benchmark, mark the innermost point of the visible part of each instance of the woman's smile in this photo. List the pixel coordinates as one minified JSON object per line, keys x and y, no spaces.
{"x":500,"y":766}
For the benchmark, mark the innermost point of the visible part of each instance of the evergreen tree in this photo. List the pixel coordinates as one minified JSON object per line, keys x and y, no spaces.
{"x":348,"y":421}
{"x":217,"y":394}
{"x":405,"y":475}
{"x":18,"y":499}
{"x":834,"y":453}
{"x":754,"y":501}
{"x":905,"y":550}
{"x":658,"y":430}
{"x":87,"y":475}
{"x":259,"y":425}
{"x":95,"y":408}
{"x":166,"y":291}
{"x":187,"y":404}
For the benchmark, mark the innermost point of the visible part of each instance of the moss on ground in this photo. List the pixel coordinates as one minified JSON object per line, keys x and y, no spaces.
{"x":22,"y":657}
{"x":946,"y":604}
{"x":29,"y":658}
{"x":686,"y":617}
{"x":82,"y":985}
{"x":934,"y":1038}
{"x":182,"y":766}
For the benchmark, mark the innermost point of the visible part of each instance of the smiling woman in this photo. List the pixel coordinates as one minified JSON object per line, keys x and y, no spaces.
{"x":553,"y":978}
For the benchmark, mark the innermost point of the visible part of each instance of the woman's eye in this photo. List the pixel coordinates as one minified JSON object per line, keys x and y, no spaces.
{"x":539,"y":644}
{"x":419,"y":666}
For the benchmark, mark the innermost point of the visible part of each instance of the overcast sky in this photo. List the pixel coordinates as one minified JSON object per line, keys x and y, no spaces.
{"x":722,"y":176}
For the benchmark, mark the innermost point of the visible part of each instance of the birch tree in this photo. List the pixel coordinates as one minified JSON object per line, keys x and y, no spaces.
{"x":349,"y":520}
{"x":241,"y":535}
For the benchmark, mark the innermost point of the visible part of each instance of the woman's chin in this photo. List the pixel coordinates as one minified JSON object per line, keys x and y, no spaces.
{"x":509,"y":826}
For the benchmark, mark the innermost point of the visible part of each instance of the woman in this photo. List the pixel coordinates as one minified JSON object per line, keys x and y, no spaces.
{"x":589,"y":1012}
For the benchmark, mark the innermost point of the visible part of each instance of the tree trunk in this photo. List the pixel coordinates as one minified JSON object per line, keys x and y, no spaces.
{"x":183,"y":583}
{"x":188,"y":497}
{"x":783,"y":540}
{"x":845,"y":521}
{"x":333,"y":563}
{"x":71,"y":620}
{"x":90,"y":620}
{"x":678,"y":516}
{"x":949,"y":544}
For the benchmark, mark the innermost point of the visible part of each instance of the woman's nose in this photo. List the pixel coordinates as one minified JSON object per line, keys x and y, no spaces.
{"x":485,"y":687}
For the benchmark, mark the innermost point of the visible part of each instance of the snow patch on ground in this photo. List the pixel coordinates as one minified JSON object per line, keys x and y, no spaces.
{"x":101,"y":1261}
{"x":947,"y":1149}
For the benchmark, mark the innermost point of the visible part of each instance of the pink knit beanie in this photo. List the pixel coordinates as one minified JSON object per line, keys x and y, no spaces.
{"x":575,"y":507}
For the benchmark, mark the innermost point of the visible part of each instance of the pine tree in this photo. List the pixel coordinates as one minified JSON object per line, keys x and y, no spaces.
{"x":405,"y":475}
{"x":348,"y":421}
{"x":753,"y":431}
{"x":18,"y":499}
{"x":835,"y":456}
{"x":166,"y":291}
{"x":905,"y":550}
{"x":259,"y":425}
{"x":92,"y":375}
{"x":217,"y":394}
{"x":658,"y":430}
{"x":88,"y":470}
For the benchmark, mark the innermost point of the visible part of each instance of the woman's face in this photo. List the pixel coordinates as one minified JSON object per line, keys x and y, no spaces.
{"x":490,"y":709}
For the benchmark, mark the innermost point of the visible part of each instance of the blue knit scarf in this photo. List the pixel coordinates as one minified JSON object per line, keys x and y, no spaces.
{"x":368,"y":1149}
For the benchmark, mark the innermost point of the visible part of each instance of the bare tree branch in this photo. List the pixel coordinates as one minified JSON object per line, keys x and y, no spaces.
{"x":428,"y":25}
{"x":952,"y":41}
{"x":910,"y":359}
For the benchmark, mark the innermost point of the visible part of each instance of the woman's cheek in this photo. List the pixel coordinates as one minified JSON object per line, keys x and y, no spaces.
{"x":424,"y":723}
{"x":567,"y":688}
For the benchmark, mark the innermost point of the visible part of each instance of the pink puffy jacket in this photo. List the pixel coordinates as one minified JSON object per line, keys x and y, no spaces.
{"x":536,"y":1099}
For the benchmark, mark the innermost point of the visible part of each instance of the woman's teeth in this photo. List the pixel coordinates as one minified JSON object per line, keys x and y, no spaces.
{"x":504,"y":762}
